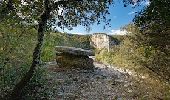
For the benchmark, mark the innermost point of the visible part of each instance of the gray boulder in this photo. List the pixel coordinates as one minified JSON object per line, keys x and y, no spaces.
{"x":71,"y":57}
{"x":74,"y":51}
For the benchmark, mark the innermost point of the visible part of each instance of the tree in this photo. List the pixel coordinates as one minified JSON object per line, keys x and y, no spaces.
{"x":45,"y":13}
{"x":154,"y":24}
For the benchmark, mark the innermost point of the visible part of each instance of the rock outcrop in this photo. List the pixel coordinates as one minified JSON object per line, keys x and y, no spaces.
{"x":102,"y":40}
{"x":70,"y":57}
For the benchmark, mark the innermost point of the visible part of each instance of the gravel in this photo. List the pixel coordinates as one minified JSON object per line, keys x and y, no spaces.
{"x":102,"y":83}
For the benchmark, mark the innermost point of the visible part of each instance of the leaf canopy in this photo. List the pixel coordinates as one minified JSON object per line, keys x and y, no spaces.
{"x":63,"y":13}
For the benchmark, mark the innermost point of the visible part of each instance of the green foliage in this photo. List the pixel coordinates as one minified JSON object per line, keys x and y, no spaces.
{"x":135,"y":52}
{"x":154,"y":22}
{"x":145,"y":60}
{"x":16,"y":47}
{"x":18,"y":40}
{"x":118,"y":38}
{"x":155,"y":17}
{"x":38,"y":87}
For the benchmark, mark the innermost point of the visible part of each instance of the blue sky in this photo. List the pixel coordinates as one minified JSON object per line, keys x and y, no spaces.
{"x":119,"y":16}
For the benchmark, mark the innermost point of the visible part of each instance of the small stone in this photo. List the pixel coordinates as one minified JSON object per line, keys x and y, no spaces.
{"x":114,"y":83}
{"x":75,"y":79}
{"x":129,"y":91}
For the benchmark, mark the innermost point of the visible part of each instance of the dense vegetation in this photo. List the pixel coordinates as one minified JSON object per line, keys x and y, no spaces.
{"x":24,"y":28}
{"x":146,"y":46}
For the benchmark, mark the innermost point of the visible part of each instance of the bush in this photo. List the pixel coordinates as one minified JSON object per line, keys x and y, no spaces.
{"x":134,"y":53}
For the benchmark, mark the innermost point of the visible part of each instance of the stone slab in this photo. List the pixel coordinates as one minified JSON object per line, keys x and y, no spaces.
{"x":74,"y":51}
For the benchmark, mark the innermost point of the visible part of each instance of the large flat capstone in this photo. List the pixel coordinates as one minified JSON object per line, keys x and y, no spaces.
{"x":74,"y":51}
{"x":71,"y":57}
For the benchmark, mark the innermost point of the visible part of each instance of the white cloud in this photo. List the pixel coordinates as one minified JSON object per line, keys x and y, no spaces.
{"x":118,"y":32}
{"x":79,"y":33}
{"x":145,"y":3}
{"x":132,"y":12}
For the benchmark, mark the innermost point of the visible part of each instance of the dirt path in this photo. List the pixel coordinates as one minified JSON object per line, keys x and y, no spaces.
{"x":104,"y":83}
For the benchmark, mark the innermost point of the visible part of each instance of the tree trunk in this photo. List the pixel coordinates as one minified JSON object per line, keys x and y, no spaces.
{"x":15,"y":95}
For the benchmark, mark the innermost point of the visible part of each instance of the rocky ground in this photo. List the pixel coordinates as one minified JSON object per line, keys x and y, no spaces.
{"x":104,"y":83}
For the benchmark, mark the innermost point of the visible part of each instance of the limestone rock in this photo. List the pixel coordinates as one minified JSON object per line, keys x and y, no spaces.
{"x":74,"y":51}
{"x":102,"y":40}
{"x":70,"y":57}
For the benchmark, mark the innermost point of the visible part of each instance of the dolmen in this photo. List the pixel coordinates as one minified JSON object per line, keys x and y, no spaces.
{"x":71,"y":57}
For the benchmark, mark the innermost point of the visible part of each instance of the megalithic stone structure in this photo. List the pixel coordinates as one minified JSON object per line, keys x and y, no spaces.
{"x":71,"y":57}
